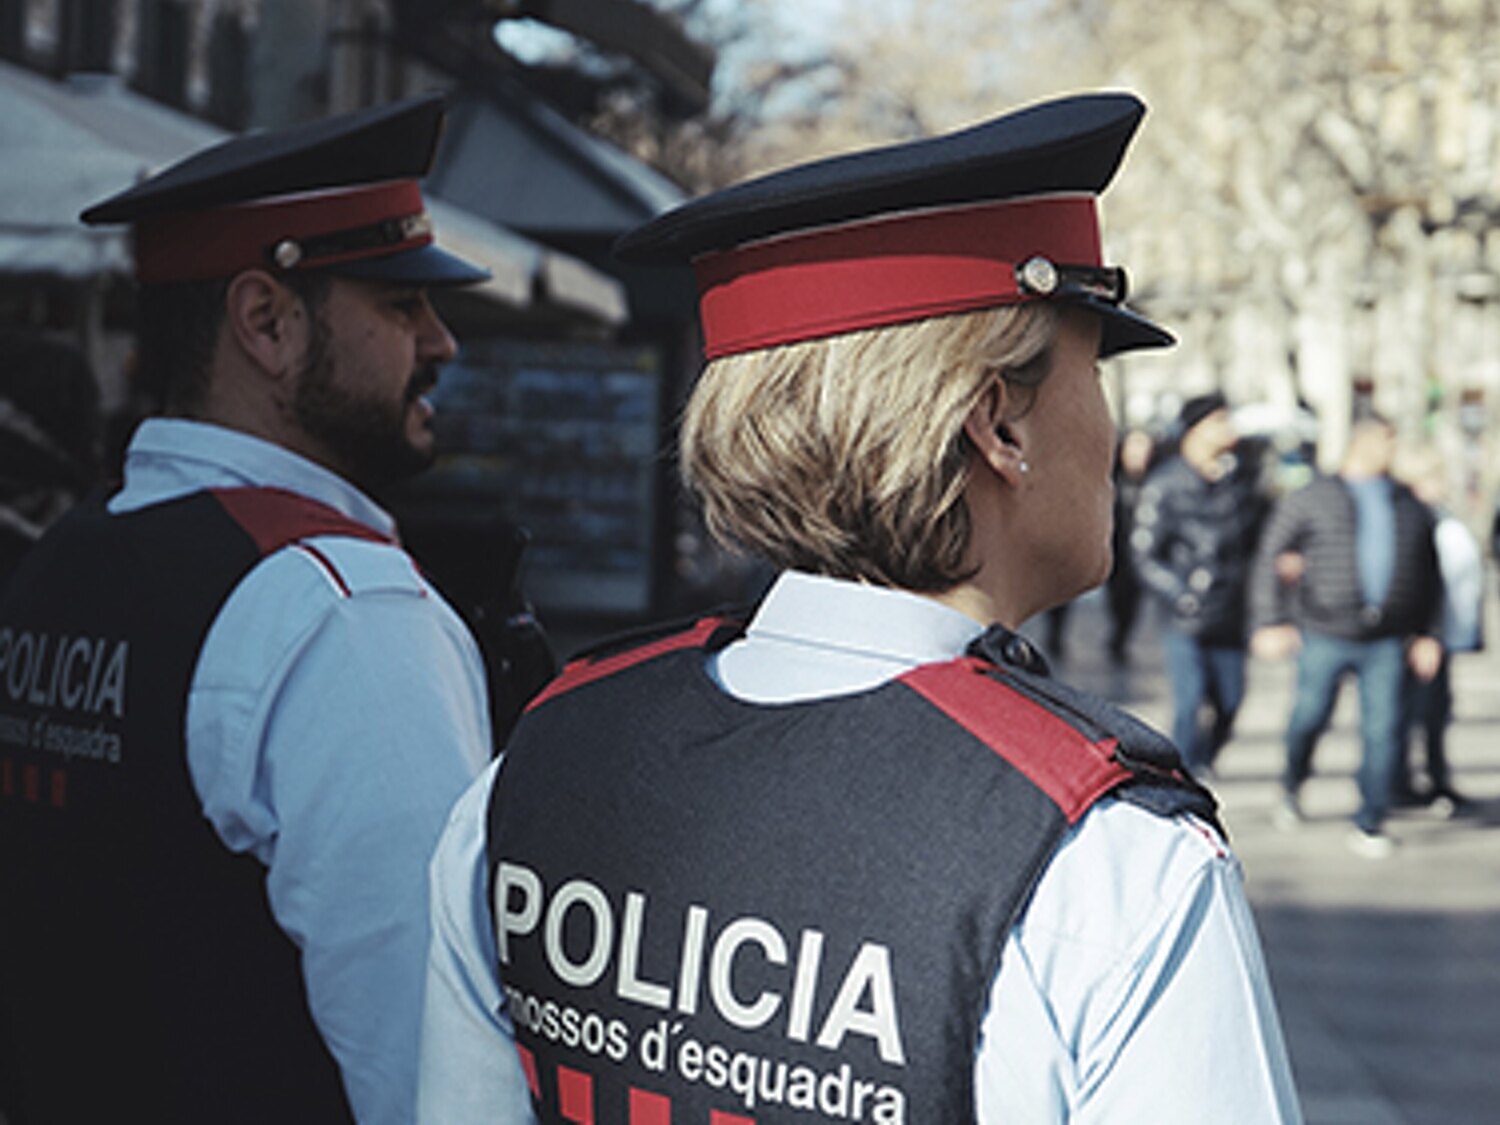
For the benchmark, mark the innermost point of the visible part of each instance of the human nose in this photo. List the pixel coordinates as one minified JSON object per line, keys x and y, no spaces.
{"x":436,"y":342}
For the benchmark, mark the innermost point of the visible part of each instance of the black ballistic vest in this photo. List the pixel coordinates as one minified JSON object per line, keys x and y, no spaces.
{"x":144,"y":977}
{"x":710,"y":912}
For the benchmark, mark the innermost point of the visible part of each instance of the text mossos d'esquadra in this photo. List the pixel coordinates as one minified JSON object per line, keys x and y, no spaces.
{"x":863,"y":1004}
{"x":83,"y":677}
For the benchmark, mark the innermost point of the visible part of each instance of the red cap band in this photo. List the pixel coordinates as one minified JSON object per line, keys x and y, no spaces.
{"x":222,"y":241}
{"x":886,"y":271}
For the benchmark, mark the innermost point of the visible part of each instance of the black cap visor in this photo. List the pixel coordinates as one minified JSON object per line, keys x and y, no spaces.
{"x":428,"y":265}
{"x":1124,"y":329}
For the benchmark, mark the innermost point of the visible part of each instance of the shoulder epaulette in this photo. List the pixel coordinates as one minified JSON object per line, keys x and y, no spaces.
{"x":615,"y":654}
{"x":1002,"y":692}
{"x":1072,"y":765}
{"x":275,"y":518}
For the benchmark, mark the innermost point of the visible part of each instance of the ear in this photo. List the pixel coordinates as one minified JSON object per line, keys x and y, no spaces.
{"x":266,"y":321}
{"x":992,"y":437}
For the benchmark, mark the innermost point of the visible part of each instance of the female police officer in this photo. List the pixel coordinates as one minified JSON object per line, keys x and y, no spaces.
{"x":861,"y":858}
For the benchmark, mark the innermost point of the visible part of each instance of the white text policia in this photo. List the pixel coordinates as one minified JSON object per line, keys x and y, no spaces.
{"x":521,"y":905}
{"x":83,"y":674}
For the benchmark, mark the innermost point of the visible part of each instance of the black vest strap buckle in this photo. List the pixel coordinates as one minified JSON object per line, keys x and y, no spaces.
{"x":1009,"y":649}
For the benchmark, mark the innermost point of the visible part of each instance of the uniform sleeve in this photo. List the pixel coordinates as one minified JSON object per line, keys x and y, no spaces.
{"x":334,"y":720}
{"x":469,"y":1068}
{"x":1135,"y":990}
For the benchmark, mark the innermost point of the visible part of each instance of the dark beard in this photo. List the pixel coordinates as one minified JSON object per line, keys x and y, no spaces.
{"x":366,"y":436}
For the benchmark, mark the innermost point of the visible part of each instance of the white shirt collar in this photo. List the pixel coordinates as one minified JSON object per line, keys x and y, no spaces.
{"x":875,"y":621}
{"x":171,"y":457}
{"x":818,"y":637}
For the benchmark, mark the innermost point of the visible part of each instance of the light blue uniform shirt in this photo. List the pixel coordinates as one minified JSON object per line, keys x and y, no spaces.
{"x":337,"y":710}
{"x":1132,"y":989}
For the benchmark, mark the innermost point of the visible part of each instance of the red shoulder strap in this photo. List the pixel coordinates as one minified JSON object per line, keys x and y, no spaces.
{"x":274,"y":517}
{"x":588,"y":669}
{"x":1070,"y":768}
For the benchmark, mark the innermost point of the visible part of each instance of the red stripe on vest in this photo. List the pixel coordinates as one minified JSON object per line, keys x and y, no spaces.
{"x":528,"y":1067}
{"x":647,"y":1108}
{"x":1071,"y":769}
{"x":274,"y":518}
{"x":588,"y":669}
{"x":575,"y":1095}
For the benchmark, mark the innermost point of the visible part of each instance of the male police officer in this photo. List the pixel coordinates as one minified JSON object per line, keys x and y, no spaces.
{"x":233,"y":714}
{"x":862,"y":859}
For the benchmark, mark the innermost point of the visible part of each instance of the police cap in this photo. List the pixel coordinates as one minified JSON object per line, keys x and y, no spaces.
{"x":338,"y":195}
{"x":998,"y":214}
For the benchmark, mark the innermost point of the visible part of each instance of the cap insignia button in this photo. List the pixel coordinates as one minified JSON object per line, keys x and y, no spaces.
{"x":287,"y":253}
{"x":1039,"y":276}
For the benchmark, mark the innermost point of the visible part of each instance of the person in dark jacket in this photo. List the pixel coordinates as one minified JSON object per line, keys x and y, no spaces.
{"x":1196,"y":524}
{"x":1428,"y":704}
{"x":1347,"y":573}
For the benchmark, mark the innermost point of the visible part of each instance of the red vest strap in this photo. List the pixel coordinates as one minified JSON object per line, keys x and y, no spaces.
{"x":588,"y":669}
{"x":274,"y":517}
{"x":1073,"y":770}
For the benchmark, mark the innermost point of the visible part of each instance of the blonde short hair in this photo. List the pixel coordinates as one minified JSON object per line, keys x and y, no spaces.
{"x":846,"y":456}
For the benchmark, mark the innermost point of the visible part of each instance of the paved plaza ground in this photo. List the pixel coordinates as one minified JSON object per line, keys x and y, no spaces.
{"x":1387,"y":972}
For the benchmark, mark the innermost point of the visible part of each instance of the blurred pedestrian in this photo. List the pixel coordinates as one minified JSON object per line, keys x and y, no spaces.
{"x":865,"y":858}
{"x":1196,"y":524}
{"x":233,"y":714}
{"x":1347,"y":577}
{"x":1429,"y":703}
{"x":1133,"y":460}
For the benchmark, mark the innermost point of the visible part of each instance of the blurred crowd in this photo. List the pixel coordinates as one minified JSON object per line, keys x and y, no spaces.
{"x":1363,"y":573}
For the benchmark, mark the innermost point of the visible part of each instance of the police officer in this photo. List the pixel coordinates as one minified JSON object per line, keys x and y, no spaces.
{"x":860,"y":858}
{"x":233,"y":714}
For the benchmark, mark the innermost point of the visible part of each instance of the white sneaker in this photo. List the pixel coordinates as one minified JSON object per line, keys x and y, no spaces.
{"x":1286,"y":813}
{"x":1444,"y":806}
{"x":1371,"y":845}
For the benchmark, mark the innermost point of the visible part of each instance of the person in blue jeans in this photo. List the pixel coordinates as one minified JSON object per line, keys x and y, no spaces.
{"x":1347,"y":573}
{"x":1197,"y":520}
{"x":1379,"y":664}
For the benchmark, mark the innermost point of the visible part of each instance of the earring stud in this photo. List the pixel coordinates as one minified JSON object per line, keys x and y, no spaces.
{"x":1024,"y":466}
